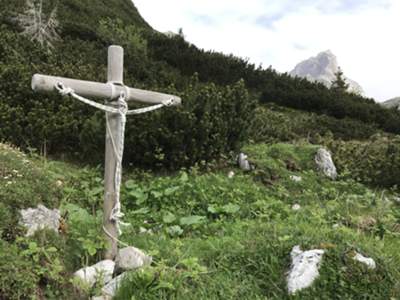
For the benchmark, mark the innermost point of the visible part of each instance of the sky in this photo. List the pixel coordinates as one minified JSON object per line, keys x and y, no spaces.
{"x":363,"y":34}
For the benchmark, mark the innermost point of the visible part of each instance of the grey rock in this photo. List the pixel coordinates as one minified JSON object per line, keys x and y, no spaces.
{"x":296,"y":207}
{"x":39,"y":218}
{"x":111,"y":288}
{"x":325,"y":164}
{"x":322,"y":68}
{"x":131,"y":258}
{"x":392,"y":103}
{"x":102,"y":298}
{"x":369,"y":262}
{"x":243,"y":163}
{"x":103,"y":271}
{"x":296,"y":178}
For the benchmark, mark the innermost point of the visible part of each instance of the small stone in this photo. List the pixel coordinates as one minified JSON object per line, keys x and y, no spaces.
{"x":111,"y":288}
{"x":243,"y":162}
{"x":325,"y":164}
{"x":59,"y":183}
{"x":296,"y":207}
{"x":231,"y":174}
{"x":102,"y":298}
{"x":103,"y":271}
{"x":39,"y":218}
{"x":304,"y":268}
{"x":335,"y":226}
{"x":131,"y":258}
{"x":369,"y":262}
{"x":296,"y":178}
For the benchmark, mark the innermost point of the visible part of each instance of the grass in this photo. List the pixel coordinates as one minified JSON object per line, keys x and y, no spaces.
{"x":211,"y":236}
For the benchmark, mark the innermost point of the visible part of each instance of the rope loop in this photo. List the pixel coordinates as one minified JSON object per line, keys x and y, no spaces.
{"x":123,"y":111}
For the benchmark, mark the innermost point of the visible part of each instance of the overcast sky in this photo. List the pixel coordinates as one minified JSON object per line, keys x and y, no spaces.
{"x":363,"y":34}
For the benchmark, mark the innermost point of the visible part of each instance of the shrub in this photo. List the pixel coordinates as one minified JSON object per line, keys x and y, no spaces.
{"x":376,"y":161}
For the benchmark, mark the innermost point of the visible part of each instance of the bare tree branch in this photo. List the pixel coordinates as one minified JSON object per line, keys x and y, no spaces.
{"x":37,"y":25}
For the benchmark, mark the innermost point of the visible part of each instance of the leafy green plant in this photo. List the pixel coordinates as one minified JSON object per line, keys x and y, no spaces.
{"x":85,"y":236}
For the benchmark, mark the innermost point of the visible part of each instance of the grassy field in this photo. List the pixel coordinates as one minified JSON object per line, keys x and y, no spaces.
{"x":211,"y":236}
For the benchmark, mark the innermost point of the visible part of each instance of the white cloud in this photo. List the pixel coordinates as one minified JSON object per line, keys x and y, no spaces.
{"x":362,"y":33}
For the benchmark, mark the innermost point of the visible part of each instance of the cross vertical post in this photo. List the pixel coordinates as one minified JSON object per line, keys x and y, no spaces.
{"x":112,"y":144}
{"x":116,"y":108}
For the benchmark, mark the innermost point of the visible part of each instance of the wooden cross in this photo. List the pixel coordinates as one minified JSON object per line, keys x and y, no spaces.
{"x":115,"y":92}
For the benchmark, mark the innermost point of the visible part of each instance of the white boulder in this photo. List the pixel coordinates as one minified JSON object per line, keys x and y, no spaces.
{"x":304,"y":268}
{"x":296,"y":178}
{"x":369,"y":262}
{"x":39,"y":218}
{"x":325,"y":164}
{"x":131,"y":258}
{"x":102,"y":271}
{"x":243,"y":163}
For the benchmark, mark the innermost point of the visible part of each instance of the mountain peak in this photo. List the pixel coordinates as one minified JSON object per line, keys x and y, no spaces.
{"x":322,"y":68}
{"x":395,"y":102}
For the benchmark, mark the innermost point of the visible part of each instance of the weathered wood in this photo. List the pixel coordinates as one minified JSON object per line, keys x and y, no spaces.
{"x":115,"y":74}
{"x":114,"y":131}
{"x":115,"y":67}
{"x":90,"y":89}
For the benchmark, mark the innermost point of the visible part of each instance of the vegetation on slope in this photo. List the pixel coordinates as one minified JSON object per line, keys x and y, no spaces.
{"x":211,"y":236}
{"x":207,"y":81}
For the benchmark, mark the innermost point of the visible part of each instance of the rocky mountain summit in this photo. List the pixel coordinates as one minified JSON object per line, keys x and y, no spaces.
{"x":322,"y":68}
{"x":394,"y":102}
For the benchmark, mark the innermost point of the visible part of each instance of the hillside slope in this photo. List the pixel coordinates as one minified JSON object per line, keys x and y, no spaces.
{"x":75,"y":45}
{"x":211,"y":236}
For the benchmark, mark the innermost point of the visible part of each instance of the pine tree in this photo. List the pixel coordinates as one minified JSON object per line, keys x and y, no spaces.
{"x":339,"y":84}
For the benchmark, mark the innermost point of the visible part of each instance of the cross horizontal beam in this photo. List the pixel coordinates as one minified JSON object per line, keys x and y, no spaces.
{"x":111,"y":91}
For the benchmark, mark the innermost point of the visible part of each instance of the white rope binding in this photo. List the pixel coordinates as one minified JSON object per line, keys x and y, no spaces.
{"x":123,"y":111}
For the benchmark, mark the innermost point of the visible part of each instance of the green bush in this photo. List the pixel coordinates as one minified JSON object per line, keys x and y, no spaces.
{"x":212,"y":120}
{"x":272,"y":123}
{"x":376,"y":161}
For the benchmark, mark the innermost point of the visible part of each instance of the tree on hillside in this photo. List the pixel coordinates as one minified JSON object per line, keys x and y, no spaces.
{"x":339,"y":84}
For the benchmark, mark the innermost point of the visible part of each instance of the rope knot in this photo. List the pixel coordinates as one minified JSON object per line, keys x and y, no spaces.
{"x":64,"y":91}
{"x":123,"y":106}
{"x":168,"y":102}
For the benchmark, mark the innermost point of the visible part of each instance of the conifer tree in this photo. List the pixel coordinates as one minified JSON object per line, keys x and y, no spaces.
{"x":339,"y":84}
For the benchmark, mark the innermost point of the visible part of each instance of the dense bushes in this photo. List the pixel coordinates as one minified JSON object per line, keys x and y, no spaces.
{"x":278,"y":88}
{"x":216,"y":110}
{"x":376,"y":161}
{"x":212,"y":120}
{"x":301,"y":94}
{"x":272,"y":123}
